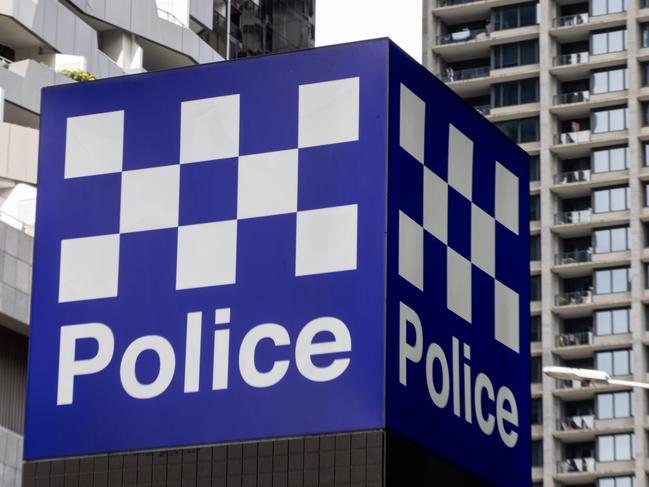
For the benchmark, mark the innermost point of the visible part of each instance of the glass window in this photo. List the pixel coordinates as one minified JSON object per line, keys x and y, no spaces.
{"x":616,"y":482}
{"x":612,"y":321}
{"x":536,"y":370}
{"x":521,"y":130}
{"x":537,"y":453}
{"x":535,"y":288}
{"x":535,"y":168}
{"x":646,"y":194}
{"x":535,"y":207}
{"x":610,"y":120}
{"x":610,"y":199}
{"x":612,"y":280}
{"x":616,"y":362}
{"x":645,"y":147}
{"x":615,"y":447}
{"x":608,"y":41}
{"x":535,"y":329}
{"x":516,"y":92}
{"x":535,"y":247}
{"x":514,"y":16}
{"x":537,"y":411}
{"x":516,"y":54}
{"x":622,"y":404}
{"x":603,"y":7}
{"x":605,"y":408}
{"x":611,"y":240}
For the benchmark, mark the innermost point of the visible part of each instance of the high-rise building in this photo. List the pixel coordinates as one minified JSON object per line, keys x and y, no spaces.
{"x":51,"y":42}
{"x":569,"y":81}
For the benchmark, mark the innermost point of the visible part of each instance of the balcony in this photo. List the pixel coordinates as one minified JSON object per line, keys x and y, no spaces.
{"x":572,"y":137}
{"x":4,"y":62}
{"x":576,"y":423}
{"x":572,"y":384}
{"x":576,"y":465}
{"x":463,"y":36}
{"x":450,"y":3}
{"x":570,"y":20}
{"x":483,"y":109}
{"x":568,"y":177}
{"x":574,"y":339}
{"x":464,"y":74}
{"x":573,"y":257}
{"x":573,"y":97}
{"x":574,"y":216}
{"x":574,"y":297}
{"x":569,"y":59}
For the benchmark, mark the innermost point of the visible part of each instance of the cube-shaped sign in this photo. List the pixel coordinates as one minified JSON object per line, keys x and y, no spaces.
{"x":323,"y":241}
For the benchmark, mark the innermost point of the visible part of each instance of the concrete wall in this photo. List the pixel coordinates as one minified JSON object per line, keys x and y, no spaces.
{"x":18,"y":152}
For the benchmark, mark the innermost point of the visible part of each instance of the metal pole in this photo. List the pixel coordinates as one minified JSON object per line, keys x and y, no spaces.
{"x":228,"y":19}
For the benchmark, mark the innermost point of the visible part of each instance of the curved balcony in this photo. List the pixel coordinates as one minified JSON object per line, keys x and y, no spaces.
{"x":573,"y":257}
{"x":574,"y":339}
{"x":574,"y":297}
{"x":576,"y":423}
{"x":573,"y":58}
{"x":451,"y":75}
{"x":572,"y":137}
{"x":572,"y":97}
{"x":463,"y":36}
{"x":570,"y":20}
{"x":575,"y":216}
{"x":576,"y":465}
{"x":568,"y":177}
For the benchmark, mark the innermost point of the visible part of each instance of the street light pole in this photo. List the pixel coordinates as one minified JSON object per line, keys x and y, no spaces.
{"x":589,"y":375}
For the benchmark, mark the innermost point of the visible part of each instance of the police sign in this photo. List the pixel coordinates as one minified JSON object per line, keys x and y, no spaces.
{"x":210,"y":261}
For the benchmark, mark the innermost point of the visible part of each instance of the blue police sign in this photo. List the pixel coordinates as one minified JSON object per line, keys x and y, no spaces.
{"x":210,"y":261}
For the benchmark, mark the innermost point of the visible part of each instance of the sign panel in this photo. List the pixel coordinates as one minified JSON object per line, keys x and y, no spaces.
{"x":209,"y":257}
{"x":458,"y":380}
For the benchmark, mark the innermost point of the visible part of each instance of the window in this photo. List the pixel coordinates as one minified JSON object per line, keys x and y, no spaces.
{"x":612,"y":280}
{"x":535,"y":288}
{"x":614,"y":405}
{"x":514,"y":16}
{"x":644,"y":110}
{"x":535,"y":207}
{"x":612,"y":321}
{"x":535,"y":329}
{"x":537,"y":411}
{"x":535,"y":376}
{"x":535,"y":247}
{"x":611,"y":199}
{"x":535,"y":169}
{"x":516,"y":54}
{"x":603,"y":7}
{"x":537,"y":453}
{"x":611,"y":240}
{"x":608,"y":41}
{"x":610,"y":159}
{"x":609,"y":80}
{"x":616,"y":482}
{"x":646,"y":194}
{"x":516,"y":92}
{"x":645,"y":151}
{"x":611,"y":448}
{"x":610,"y":120}
{"x":521,"y":130}
{"x":644,"y":71}
{"x":615,"y":362}
{"x":644,"y":35}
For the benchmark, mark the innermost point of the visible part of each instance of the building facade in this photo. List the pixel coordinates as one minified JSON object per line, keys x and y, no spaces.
{"x":52,"y":42}
{"x":568,"y":80}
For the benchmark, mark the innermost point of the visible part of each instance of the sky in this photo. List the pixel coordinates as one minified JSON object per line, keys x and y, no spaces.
{"x":353,"y":20}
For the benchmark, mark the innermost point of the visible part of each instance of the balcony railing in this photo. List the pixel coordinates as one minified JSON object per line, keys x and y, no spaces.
{"x":571,"y":423}
{"x":573,"y":97}
{"x":463,"y":74}
{"x":4,"y":62}
{"x":567,"y":177}
{"x":575,"y":465}
{"x":463,"y":36}
{"x":575,"y":216}
{"x":574,"y":339}
{"x":169,"y":17}
{"x":572,"y":137}
{"x":448,"y":3}
{"x":574,"y":297}
{"x":569,"y":20}
{"x":644,"y":3}
{"x":574,"y":58}
{"x":572,"y":384}
{"x":573,"y":257}
{"x":483,"y":109}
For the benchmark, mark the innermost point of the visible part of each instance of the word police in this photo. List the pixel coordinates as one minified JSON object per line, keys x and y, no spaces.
{"x":477,"y":394}
{"x":306,"y":348}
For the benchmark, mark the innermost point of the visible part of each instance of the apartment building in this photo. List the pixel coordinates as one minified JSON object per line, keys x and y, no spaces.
{"x":50,"y":42}
{"x":569,"y":81}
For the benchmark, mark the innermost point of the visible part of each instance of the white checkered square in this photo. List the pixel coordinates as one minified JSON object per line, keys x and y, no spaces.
{"x":460,"y":162}
{"x":411,"y":251}
{"x":506,"y":192}
{"x":326,"y":240}
{"x":458,"y":284}
{"x":149,"y":199}
{"x":267,"y":184}
{"x":435,"y":205}
{"x":412,"y":120}
{"x":507,"y":317}
{"x":94,"y":144}
{"x":328,"y":112}
{"x":209,"y":129}
{"x":207,"y":255}
{"x":89,"y":268}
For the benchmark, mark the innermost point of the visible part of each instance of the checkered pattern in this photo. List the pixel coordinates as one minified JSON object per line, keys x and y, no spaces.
{"x":267,"y":185}
{"x":438,"y":205}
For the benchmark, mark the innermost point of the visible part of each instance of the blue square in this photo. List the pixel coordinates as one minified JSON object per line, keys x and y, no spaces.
{"x":459,"y":223}
{"x":208,"y":191}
